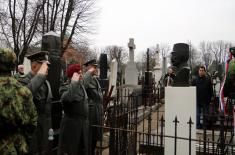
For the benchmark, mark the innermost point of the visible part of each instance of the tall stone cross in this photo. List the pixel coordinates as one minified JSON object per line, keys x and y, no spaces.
{"x":131,"y":73}
{"x":157,"y":60}
{"x":157,"y":71}
{"x":131,"y":46}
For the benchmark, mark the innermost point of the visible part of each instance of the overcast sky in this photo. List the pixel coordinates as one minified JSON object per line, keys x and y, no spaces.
{"x":164,"y":21}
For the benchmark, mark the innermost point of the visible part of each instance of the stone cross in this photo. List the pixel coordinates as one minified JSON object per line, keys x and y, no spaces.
{"x":157,"y":60}
{"x":157,"y":70}
{"x":131,"y":46}
{"x":131,"y":73}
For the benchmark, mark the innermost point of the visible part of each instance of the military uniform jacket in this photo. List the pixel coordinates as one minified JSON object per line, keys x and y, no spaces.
{"x":95,"y":100}
{"x":74,"y":126}
{"x":19,"y":76}
{"x":42,"y":96}
{"x":17,"y":116}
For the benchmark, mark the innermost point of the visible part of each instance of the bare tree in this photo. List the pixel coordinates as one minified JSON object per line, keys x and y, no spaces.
{"x":152,"y":59}
{"x":118,"y":53}
{"x":219,"y":49}
{"x":76,"y":19}
{"x":164,"y":49}
{"x":205,"y":51}
{"x":19,"y":24}
{"x":23,"y":22}
{"x":193,"y":55}
{"x":86,"y":51}
{"x":214,"y":51}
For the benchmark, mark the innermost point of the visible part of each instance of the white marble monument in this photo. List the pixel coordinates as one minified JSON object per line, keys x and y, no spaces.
{"x":157,"y":68}
{"x":113,"y":76}
{"x":180,"y":102}
{"x":131,"y":73}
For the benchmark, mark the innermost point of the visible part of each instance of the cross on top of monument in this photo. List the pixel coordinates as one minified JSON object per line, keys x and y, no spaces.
{"x":131,"y":44}
{"x":157,"y":48}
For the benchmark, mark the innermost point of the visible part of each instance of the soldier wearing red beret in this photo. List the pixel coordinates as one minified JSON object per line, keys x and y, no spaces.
{"x":74,"y":128}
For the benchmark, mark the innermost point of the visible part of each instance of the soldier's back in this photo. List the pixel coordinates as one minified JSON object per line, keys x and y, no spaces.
{"x":17,"y":116}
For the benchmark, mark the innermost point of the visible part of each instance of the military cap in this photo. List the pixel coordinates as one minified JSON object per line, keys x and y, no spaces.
{"x":181,"y":49}
{"x":91,"y":62}
{"x":7,"y":59}
{"x":38,"y":56}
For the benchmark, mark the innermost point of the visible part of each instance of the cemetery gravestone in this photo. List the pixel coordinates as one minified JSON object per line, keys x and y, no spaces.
{"x":131,"y":73}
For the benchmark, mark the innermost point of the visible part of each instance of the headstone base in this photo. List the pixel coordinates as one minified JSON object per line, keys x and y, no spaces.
{"x":180,"y":102}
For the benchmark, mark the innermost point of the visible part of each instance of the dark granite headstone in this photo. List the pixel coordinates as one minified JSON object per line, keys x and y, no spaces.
{"x":51,"y":43}
{"x":103,"y":63}
{"x":103,"y":66}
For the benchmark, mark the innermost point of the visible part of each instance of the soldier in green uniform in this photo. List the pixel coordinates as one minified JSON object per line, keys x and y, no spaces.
{"x":17,"y":112}
{"x":74,"y":129}
{"x":95,"y":100}
{"x":36,"y":81}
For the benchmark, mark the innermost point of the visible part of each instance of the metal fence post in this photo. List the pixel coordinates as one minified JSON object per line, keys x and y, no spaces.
{"x":176,"y":122}
{"x":190,"y":134}
{"x":222,"y":139}
{"x":204,"y":133}
{"x":161,"y":134}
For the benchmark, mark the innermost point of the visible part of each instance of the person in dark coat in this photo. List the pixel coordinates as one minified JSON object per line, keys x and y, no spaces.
{"x":36,"y":81}
{"x":204,"y":95}
{"x":95,"y":100}
{"x":74,"y":128}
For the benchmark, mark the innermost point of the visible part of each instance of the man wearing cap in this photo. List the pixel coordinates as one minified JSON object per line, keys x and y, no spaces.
{"x":179,"y":58}
{"x":74,"y":128}
{"x":95,"y":100}
{"x":36,"y":81}
{"x":17,"y":111}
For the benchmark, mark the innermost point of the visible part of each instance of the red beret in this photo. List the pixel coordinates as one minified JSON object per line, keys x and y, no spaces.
{"x":72,"y":69}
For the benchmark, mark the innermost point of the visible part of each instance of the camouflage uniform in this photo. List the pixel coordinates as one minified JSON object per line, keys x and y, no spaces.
{"x":17,"y":111}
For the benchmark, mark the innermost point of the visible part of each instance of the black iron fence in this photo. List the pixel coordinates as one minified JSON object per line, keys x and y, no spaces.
{"x":132,"y":128}
{"x":140,"y":129}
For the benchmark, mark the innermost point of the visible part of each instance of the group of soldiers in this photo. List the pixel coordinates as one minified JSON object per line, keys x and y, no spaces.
{"x":25,"y":107}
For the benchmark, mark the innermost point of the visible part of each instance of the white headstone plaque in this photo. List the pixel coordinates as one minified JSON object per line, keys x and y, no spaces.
{"x":113,"y":76}
{"x":157,"y":68}
{"x":180,"y":102}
